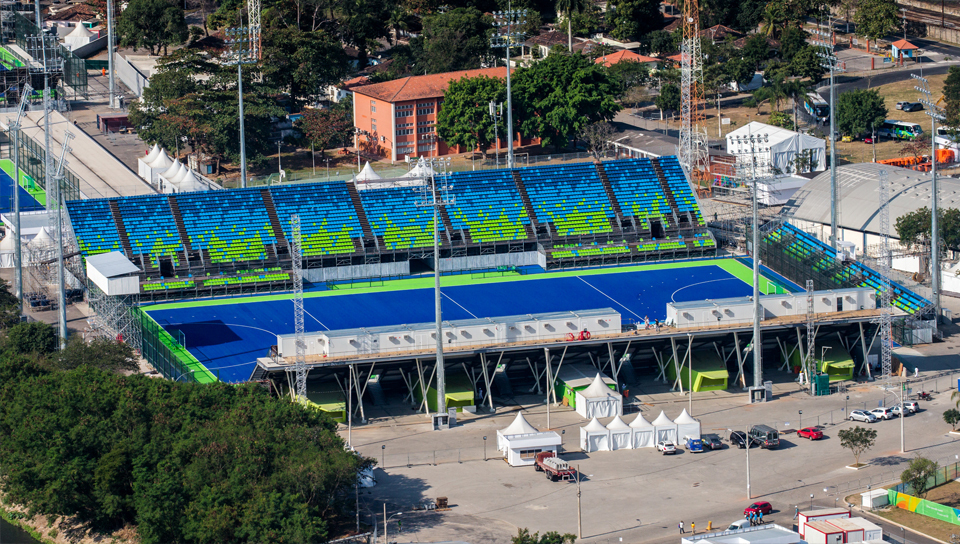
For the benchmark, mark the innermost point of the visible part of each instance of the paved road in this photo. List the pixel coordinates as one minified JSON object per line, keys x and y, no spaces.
{"x":895,"y":533}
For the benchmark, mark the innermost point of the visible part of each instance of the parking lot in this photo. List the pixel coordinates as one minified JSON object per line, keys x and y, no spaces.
{"x":641,"y":495}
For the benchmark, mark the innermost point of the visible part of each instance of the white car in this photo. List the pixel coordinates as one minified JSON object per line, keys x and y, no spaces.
{"x":860,"y":415}
{"x":668,"y":448}
{"x":883,"y":413}
{"x":912,"y":407}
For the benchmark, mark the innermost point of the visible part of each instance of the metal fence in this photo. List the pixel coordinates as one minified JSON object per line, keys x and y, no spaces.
{"x":74,"y":68}
{"x":943,"y":475}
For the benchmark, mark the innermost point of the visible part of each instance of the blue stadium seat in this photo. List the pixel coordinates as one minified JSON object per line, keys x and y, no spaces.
{"x":488,"y":205}
{"x":93,"y":224}
{"x":150,"y":227}
{"x":680,"y":187}
{"x":637,"y":189}
{"x":328,"y":220}
{"x":571,"y":197}
{"x":393,"y":214}
{"x":232,"y":226}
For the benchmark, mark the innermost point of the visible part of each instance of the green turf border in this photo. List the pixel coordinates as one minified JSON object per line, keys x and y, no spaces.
{"x":25,"y":181}
{"x":199,"y":371}
{"x":729,"y":264}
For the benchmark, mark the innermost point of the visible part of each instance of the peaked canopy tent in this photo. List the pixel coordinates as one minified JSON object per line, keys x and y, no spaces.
{"x":7,"y":249}
{"x":643,"y":433}
{"x":520,"y":442}
{"x":576,"y":377}
{"x":780,"y":150}
{"x":594,"y":437}
{"x":598,"y":400}
{"x":143,"y":163}
{"x":419,"y":171}
{"x":687,"y":425}
{"x":664,"y":429}
{"x":158,"y":165}
{"x":621,"y":435}
{"x":367,"y":174}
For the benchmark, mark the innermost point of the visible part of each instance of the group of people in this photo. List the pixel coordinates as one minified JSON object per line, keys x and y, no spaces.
{"x":756,"y":518}
{"x":646,"y":323}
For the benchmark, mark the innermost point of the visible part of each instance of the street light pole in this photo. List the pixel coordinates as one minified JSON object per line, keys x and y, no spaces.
{"x":747,"y":443}
{"x":830,"y":62}
{"x":504,"y":37}
{"x":936,"y":113}
{"x":242,"y":41}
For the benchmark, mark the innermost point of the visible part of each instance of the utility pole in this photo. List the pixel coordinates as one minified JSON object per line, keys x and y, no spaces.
{"x":579,"y":522}
{"x":504,"y":37}
{"x":350,"y":411}
{"x":829,"y":61}
{"x":747,"y":443}
{"x":936,"y":113}
{"x":111,"y":51}
{"x":242,"y":42}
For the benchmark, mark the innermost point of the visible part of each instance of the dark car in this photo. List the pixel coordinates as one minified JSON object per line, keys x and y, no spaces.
{"x":761,"y":507}
{"x":913,"y":106}
{"x":740,"y":438}
{"x":712,"y":441}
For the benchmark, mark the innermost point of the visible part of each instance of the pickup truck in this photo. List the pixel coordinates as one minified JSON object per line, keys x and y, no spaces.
{"x":555,"y":468}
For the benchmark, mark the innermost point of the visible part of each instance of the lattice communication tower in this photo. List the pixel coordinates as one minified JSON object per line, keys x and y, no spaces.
{"x":296,"y":256}
{"x":693,"y":135}
{"x":886,"y":310}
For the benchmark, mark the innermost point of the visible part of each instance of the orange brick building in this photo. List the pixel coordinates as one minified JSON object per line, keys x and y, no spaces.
{"x":396,"y":118}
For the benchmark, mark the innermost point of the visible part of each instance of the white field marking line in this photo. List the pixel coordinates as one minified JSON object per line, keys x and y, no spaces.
{"x":222,"y":324}
{"x":608,"y":296}
{"x":312,"y":316}
{"x":699,"y":283}
{"x":458,"y":304}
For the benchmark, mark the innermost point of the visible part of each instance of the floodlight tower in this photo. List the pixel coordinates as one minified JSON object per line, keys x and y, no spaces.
{"x":17,"y":252}
{"x":111,"y":51}
{"x":506,"y":34}
{"x":296,"y":256}
{"x":936,"y":114}
{"x":253,"y":14}
{"x":693,"y":135}
{"x":829,"y":61}
{"x":244,"y":44}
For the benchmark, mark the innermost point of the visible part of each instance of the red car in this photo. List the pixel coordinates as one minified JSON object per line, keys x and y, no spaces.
{"x":758,"y":508}
{"x":812,"y":433}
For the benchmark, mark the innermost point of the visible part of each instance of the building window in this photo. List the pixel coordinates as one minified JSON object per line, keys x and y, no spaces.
{"x":404,"y":131}
{"x":404,"y":150}
{"x":428,"y":110}
{"x":430,"y":147}
{"x":529,"y":454}
{"x":405,"y":110}
{"x":425,"y":130}
{"x":373,"y":103}
{"x":373,"y":126}
{"x":373,"y":109}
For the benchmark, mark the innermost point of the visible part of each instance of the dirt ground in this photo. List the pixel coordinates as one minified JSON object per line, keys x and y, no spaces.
{"x":947,"y":494}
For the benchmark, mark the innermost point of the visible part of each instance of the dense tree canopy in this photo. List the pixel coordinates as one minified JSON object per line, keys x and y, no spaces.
{"x":302,"y":62}
{"x":328,"y":127}
{"x":951,"y":96}
{"x":151,"y":24}
{"x":859,"y":110}
{"x":465,"y":118}
{"x":876,"y":18}
{"x":914,"y":228}
{"x":631,"y":19}
{"x":455,"y":40}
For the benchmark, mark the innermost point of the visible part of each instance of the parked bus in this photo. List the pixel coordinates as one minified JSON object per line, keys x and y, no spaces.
{"x":817,"y":106}
{"x":899,"y":130}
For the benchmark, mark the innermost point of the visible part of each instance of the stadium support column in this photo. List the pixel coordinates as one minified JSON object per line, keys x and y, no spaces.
{"x":757,"y":341}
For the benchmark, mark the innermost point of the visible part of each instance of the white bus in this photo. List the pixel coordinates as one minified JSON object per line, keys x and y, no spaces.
{"x":817,"y":106}
{"x":899,"y":130}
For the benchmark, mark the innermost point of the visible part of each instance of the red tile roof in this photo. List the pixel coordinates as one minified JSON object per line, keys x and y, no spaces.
{"x":904,"y":44}
{"x":419,"y":87}
{"x":622,"y":55}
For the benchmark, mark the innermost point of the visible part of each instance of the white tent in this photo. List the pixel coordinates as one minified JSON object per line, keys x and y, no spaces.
{"x":520,"y":442}
{"x":665,"y":429}
{"x":189,"y":183}
{"x":594,"y":437}
{"x":7,"y":248}
{"x":642,"y":433}
{"x":419,"y":171}
{"x":780,"y":150}
{"x":42,"y":240}
{"x":143,"y":163}
{"x":153,"y":154}
{"x":620,"y":434}
{"x":79,"y":37}
{"x":598,"y":400}
{"x":180,"y":176}
{"x":159,"y":164}
{"x":172,"y":171}
{"x":687,"y":425}
{"x":367,"y":173}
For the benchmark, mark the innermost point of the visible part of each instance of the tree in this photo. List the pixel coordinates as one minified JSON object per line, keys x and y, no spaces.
{"x":859,"y":110}
{"x":914,"y":231}
{"x":629,"y":74}
{"x":568,"y":8}
{"x":792,"y":41}
{"x":915,"y":147}
{"x":552,"y":537}
{"x":876,"y":18}
{"x":102,"y":353}
{"x":560,"y":95}
{"x":662,"y":42}
{"x":465,"y":118}
{"x":36,"y":337}
{"x":631,"y":19}
{"x":756,"y":50}
{"x":920,"y":471}
{"x":329,"y":127}
{"x":951,"y":97}
{"x":152,"y":24}
{"x":455,"y":40}
{"x":300,"y":62}
{"x":669,"y":98}
{"x":361,"y":23}
{"x":857,"y":440}
{"x":597,"y":136}
{"x":951,"y":417}
{"x":749,"y":14}
{"x":807,"y":64}
{"x":581,"y":23}
{"x":9,"y":307}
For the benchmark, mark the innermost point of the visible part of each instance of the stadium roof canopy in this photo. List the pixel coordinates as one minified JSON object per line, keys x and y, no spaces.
{"x":859,"y":196}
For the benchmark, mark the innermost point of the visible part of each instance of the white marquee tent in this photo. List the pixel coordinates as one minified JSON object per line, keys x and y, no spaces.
{"x":643,"y":435}
{"x":79,"y":37}
{"x":620,"y":434}
{"x":173,"y":171}
{"x":687,"y":425}
{"x":597,"y":400}
{"x":780,"y":149}
{"x":42,"y":240}
{"x":7,"y":248}
{"x":419,"y":171}
{"x":189,"y":183}
{"x":521,"y":441}
{"x":158,"y":165}
{"x":594,"y":437}
{"x":665,"y":429}
{"x":367,"y":173}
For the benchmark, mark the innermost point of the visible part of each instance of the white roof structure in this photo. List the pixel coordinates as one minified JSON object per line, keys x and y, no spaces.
{"x":367,"y":173}
{"x":595,"y":426}
{"x":42,"y":239}
{"x":618,"y":424}
{"x":766,"y":534}
{"x":597,"y":389}
{"x":858,"y":196}
{"x":162,"y":160}
{"x":597,"y":400}
{"x":580,"y":375}
{"x":7,"y":248}
{"x":594,"y":437}
{"x":154,"y":151}
{"x":640,"y":422}
{"x":621,"y":435}
{"x":419,"y":171}
{"x":643,"y":432}
{"x":662,"y":419}
{"x":520,"y":425}
{"x":80,"y":31}
{"x":520,"y":435}
{"x":113,"y":273}
{"x":180,"y":176}
{"x":189,"y":183}
{"x":687,"y":425}
{"x":172,"y":171}
{"x":780,"y":148}
{"x":665,"y":429}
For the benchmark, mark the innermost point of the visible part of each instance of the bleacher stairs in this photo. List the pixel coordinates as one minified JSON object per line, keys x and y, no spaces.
{"x":124,"y":239}
{"x":532,"y":228}
{"x":178,"y":219}
{"x":361,"y":215}
{"x":606,"y":187}
{"x":447,"y":226}
{"x":666,"y":191}
{"x":274,"y":220}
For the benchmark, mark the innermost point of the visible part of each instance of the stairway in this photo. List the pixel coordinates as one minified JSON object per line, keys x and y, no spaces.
{"x":274,"y":219}
{"x":124,"y":239}
{"x":361,"y":214}
{"x":447,"y":226}
{"x":178,"y":219}
{"x":609,"y":189}
{"x":527,"y":205}
{"x":666,"y":190}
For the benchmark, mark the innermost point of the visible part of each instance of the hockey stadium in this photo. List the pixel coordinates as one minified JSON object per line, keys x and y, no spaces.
{"x":559,"y":264}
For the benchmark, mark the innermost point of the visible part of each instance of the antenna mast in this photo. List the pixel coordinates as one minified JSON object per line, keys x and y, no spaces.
{"x":693,"y":135}
{"x":296,"y":256}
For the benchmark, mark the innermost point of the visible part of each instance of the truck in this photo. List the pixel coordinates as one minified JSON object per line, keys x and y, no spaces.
{"x":554,"y":467}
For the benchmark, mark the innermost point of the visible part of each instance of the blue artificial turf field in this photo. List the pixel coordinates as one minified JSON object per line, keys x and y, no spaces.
{"x":27,"y":202}
{"x":227,"y":336}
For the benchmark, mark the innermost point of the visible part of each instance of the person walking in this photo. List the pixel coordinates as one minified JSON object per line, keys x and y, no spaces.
{"x":681,"y":527}
{"x":693,"y":527}
{"x":646,"y":322}
{"x":761,"y":518}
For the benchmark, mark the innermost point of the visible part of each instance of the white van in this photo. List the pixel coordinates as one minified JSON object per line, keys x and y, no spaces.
{"x":739,"y":524}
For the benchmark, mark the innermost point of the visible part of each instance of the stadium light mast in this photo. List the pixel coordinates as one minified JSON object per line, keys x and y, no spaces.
{"x":936,"y":114}
{"x":243,"y":43}
{"x":14,"y":127}
{"x":829,"y":61}
{"x":504,"y":37}
{"x":111,"y":51}
{"x":435,"y":196}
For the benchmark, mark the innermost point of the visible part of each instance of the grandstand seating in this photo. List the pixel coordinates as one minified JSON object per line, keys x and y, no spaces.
{"x":638,"y":191}
{"x":328,"y":222}
{"x":168,"y":285}
{"x":232,"y":226}
{"x":93,"y":224}
{"x":150,"y":227}
{"x":247,"y":278}
{"x":488,"y":205}
{"x":569,"y":196}
{"x":394,"y":215}
{"x":587,"y":250}
{"x":680,"y":187}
